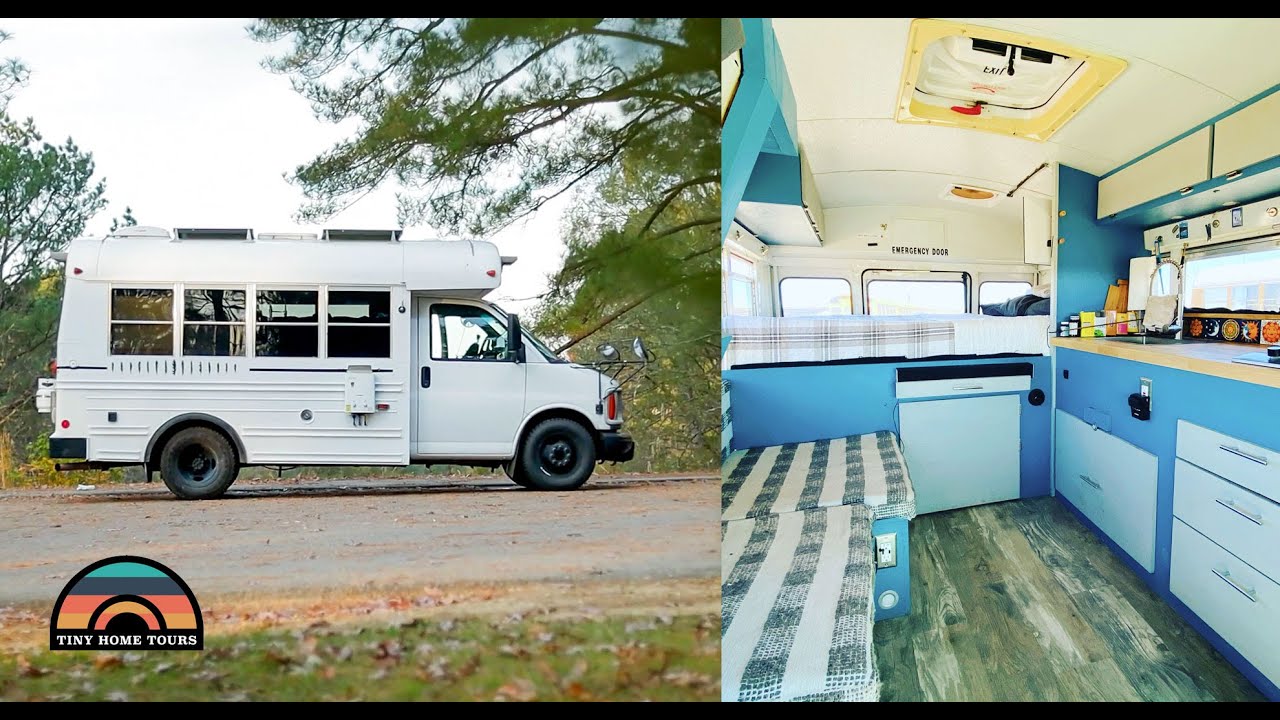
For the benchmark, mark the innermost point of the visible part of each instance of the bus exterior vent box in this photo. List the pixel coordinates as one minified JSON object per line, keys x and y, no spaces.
{"x":359,"y":395}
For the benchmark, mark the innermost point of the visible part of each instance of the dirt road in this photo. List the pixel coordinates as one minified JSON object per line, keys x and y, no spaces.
{"x":301,"y":536}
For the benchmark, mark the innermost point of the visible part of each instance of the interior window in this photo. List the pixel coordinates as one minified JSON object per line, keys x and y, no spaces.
{"x":288,"y":323}
{"x":740,"y":285}
{"x":359,"y":323}
{"x":801,"y":296}
{"x":213,"y":322}
{"x":141,"y":321}
{"x":997,"y":291}
{"x":466,"y":332}
{"x":914,"y":297}
{"x":1247,"y":280}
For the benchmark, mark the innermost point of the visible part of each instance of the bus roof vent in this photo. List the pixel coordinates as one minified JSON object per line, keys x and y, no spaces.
{"x":213,"y":234}
{"x":288,"y":237}
{"x":140,"y":231}
{"x":969,"y":76}
{"x":363,"y":235}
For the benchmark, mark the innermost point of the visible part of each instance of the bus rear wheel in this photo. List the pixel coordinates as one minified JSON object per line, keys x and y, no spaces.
{"x":558,"y":454}
{"x":198,"y":463}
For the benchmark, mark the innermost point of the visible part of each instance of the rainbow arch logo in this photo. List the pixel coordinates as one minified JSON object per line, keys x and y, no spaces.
{"x":126,"y":602}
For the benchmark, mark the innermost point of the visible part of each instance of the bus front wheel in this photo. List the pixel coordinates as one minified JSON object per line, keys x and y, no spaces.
{"x":558,"y":454}
{"x":198,"y":463}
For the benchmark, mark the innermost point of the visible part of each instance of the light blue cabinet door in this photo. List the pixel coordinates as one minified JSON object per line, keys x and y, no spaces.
{"x":962,"y":452}
{"x":1111,"y":482}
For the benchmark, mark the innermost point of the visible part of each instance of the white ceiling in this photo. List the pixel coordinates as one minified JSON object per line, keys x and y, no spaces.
{"x":845,"y":75}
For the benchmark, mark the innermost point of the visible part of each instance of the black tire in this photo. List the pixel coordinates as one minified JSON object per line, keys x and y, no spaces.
{"x":558,"y":454}
{"x":198,"y":463}
{"x":512,"y":470}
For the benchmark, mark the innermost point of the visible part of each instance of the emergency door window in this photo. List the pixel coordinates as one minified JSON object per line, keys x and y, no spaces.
{"x":288,"y":323}
{"x":359,"y":323}
{"x":465,"y":332}
{"x":141,"y":321}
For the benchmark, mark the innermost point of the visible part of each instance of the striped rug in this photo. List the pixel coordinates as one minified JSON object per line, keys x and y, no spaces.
{"x":796,"y":599}
{"x":860,"y":469}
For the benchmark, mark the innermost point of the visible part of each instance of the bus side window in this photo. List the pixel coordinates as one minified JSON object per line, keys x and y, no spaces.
{"x":142,"y":321}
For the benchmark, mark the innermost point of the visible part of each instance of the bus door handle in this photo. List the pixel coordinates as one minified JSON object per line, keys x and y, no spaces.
{"x":426,"y":377}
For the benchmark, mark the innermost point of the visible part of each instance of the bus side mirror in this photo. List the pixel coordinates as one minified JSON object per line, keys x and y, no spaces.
{"x":515,"y":339}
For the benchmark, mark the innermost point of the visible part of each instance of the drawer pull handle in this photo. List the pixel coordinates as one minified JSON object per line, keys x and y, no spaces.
{"x":966,"y":387}
{"x":1231,"y":505}
{"x":1226,"y":578}
{"x":1243,"y":454}
{"x":1090,"y":481}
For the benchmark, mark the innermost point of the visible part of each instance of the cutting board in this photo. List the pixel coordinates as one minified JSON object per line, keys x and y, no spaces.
{"x":1113,"y":298}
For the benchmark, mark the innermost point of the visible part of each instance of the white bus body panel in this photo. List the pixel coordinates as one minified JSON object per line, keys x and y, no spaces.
{"x":265,"y":401}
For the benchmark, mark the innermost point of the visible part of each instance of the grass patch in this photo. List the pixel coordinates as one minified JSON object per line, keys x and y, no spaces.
{"x":516,"y":658}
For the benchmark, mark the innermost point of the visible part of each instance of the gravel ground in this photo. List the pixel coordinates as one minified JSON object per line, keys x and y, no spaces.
{"x":269,"y":538}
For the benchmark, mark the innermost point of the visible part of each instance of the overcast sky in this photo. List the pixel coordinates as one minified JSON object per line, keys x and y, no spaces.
{"x":190,"y":131}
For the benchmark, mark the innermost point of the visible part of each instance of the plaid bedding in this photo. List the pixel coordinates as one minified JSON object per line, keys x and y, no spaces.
{"x":760,"y":340}
{"x":726,"y":421}
{"x":797,"y":603}
{"x":860,"y":469}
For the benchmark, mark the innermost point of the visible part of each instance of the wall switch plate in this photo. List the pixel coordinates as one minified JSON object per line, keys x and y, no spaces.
{"x":1146,"y":389}
{"x":886,"y":550}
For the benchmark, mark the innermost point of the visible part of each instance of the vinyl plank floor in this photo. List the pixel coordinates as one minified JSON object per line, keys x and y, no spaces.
{"x":1019,"y":601}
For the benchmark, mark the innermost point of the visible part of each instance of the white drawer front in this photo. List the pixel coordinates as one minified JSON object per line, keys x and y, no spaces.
{"x":1246,"y":524}
{"x":1074,"y":445}
{"x":1252,"y":466}
{"x":1111,"y":482}
{"x":1236,"y":600}
{"x":963,"y":386}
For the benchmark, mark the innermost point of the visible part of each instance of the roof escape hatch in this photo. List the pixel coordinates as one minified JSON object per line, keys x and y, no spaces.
{"x":982,"y":78}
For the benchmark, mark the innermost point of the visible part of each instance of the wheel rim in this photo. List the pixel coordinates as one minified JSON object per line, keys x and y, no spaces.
{"x":557,"y":456}
{"x":196,"y":463}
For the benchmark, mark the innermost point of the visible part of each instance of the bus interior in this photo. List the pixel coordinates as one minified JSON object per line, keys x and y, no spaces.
{"x":1001,"y":359}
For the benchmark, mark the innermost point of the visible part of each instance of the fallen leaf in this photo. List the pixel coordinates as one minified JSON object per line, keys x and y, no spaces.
{"x":106,"y":660}
{"x":26,"y":669}
{"x":684,"y":678}
{"x":575,"y":691}
{"x":278,"y":657}
{"x":519,"y":689}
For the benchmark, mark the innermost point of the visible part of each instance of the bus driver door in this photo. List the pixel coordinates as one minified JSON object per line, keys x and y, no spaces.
{"x":470,"y":390}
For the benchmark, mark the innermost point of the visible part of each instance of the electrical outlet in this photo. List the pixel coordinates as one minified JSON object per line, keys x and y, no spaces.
{"x":1146,"y":388}
{"x":886,"y":550}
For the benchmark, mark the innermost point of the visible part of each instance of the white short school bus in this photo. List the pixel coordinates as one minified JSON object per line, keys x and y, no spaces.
{"x":1009,"y":288}
{"x":198,"y":352}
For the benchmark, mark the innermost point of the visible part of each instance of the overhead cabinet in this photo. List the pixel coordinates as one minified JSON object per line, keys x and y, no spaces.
{"x":1172,"y":168}
{"x":1037,"y":230}
{"x":1247,"y":136}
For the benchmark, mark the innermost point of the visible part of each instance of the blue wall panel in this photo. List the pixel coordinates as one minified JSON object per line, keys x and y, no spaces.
{"x":898,"y":577}
{"x":772,"y":406}
{"x":1098,"y":390}
{"x":1093,"y":256}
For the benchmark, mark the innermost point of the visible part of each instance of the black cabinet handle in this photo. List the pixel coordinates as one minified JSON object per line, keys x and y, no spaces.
{"x":426,"y":377}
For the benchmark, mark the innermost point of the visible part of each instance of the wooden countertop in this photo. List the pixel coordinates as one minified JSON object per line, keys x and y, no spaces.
{"x":1207,"y":358}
